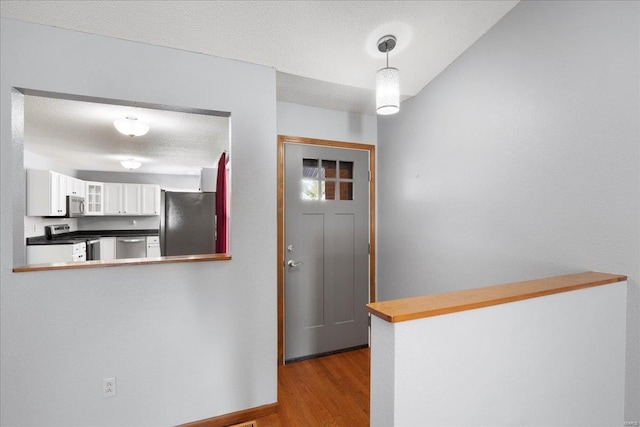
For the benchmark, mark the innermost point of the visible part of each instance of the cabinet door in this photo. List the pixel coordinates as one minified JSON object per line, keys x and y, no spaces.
{"x":94,"y":198}
{"x":46,"y":254}
{"x":68,"y":188}
{"x":150,"y":199}
{"x":112,"y":198}
{"x":107,"y":248}
{"x":46,"y":193}
{"x":79,"y":188}
{"x":131,"y":199}
{"x":58,"y":193}
{"x":73,"y":186}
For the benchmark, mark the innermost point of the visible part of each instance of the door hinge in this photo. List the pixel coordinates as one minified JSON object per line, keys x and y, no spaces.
{"x":369,"y":248}
{"x":369,"y":176}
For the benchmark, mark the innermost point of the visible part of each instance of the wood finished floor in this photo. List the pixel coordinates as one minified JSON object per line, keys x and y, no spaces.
{"x":327,"y":391}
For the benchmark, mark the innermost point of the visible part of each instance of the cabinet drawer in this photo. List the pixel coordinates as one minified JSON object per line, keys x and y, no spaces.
{"x":153,"y":239}
{"x":79,"y":248}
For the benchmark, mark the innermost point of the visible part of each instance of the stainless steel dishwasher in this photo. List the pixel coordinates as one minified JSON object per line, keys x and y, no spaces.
{"x":131,"y":247}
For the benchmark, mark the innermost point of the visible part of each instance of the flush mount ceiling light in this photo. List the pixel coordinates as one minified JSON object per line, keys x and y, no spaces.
{"x":387,"y":81}
{"x":131,"y":164}
{"x":131,"y":126}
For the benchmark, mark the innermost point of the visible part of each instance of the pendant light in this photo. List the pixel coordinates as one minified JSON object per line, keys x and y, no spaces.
{"x":131,"y":164}
{"x":387,"y":81}
{"x":131,"y":126}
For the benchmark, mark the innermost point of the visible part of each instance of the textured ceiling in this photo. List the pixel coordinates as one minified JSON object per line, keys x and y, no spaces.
{"x":325,"y":52}
{"x":81,"y":135}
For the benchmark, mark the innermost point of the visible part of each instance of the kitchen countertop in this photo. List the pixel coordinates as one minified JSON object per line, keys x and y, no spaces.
{"x":84,"y":235}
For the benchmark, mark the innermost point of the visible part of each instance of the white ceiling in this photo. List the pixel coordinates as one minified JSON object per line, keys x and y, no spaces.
{"x":325,"y":52}
{"x":81,"y":135}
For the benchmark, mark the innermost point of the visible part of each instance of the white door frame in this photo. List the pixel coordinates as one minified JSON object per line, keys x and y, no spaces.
{"x":282,"y":140}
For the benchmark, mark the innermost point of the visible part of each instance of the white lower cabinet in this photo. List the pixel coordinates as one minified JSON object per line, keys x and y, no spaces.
{"x":107,"y":248}
{"x":153,"y":246}
{"x":48,"y":254}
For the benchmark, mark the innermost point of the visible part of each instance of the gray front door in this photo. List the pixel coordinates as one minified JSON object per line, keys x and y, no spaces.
{"x":326,"y":249}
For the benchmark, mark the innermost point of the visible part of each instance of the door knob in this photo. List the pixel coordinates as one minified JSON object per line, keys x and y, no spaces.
{"x":292,"y":263}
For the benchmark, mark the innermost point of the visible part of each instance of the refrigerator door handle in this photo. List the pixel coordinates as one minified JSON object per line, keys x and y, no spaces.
{"x":161,"y":232}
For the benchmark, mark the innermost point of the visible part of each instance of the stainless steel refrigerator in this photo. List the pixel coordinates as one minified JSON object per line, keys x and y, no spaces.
{"x":187,"y":223}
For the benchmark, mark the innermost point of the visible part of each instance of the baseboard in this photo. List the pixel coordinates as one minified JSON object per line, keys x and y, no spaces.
{"x":236,"y":417}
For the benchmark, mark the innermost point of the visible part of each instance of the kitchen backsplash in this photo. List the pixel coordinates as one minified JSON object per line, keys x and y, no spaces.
{"x":34,"y":225}
{"x":119,"y":223}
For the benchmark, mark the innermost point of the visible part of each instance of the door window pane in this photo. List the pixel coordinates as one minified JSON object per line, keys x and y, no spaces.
{"x":346,"y":170}
{"x":310,"y":168}
{"x":329,"y":190}
{"x":328,"y":169}
{"x":309,"y":189}
{"x":346,"y":191}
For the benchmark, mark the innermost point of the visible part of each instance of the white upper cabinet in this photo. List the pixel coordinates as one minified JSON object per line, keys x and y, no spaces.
{"x":112,"y":198}
{"x":131,"y":199}
{"x":94,"y":199}
{"x":150,"y":199}
{"x":46,"y":193}
{"x":75,"y":187}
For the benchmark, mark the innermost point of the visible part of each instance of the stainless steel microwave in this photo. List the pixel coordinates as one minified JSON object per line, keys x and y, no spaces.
{"x":75,"y":206}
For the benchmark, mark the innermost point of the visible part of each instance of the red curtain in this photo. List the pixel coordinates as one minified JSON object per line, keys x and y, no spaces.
{"x":221,"y":206}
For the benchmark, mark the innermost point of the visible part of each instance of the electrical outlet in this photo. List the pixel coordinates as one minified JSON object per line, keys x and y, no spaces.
{"x":109,"y":387}
{"x":36,"y":228}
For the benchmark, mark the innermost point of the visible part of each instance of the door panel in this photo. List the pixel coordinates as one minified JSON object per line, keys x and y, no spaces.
{"x":311,"y":291}
{"x":326,"y":237}
{"x":345,"y":264}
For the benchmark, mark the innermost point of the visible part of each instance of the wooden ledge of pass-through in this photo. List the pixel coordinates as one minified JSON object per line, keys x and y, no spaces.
{"x":404,"y":309}
{"x":122,"y":262}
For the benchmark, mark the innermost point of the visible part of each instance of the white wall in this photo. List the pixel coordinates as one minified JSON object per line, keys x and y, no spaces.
{"x":321,"y":123}
{"x":556,"y":360}
{"x":35,"y":161}
{"x":185,"y":341}
{"x":520,"y":161}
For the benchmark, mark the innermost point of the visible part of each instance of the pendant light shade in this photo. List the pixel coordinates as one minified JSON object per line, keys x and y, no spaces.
{"x":131,"y":126}
{"x":387,"y":81}
{"x":388,"y":91}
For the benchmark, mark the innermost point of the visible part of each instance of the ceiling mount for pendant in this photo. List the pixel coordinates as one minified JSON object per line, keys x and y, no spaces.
{"x":386,"y":44}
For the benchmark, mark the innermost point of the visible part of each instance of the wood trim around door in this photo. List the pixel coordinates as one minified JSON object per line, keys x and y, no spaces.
{"x":282,"y":140}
